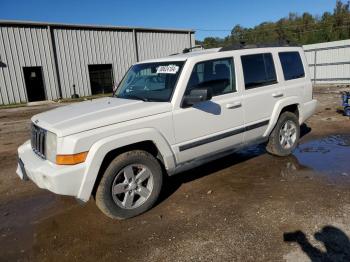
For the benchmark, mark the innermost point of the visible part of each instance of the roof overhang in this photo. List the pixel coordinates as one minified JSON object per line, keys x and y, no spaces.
{"x":92,"y":27}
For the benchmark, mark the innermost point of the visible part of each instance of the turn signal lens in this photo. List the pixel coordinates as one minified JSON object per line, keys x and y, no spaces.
{"x":71,"y":159}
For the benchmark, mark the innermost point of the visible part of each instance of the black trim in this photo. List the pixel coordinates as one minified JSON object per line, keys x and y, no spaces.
{"x":257,"y":125}
{"x":23,"y":170}
{"x":253,"y":46}
{"x":222,"y":136}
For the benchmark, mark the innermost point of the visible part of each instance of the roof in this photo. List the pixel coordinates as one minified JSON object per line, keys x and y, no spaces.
{"x":185,"y":56}
{"x":87,"y":26}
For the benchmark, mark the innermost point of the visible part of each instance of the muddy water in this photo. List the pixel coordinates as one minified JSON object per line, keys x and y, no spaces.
{"x":224,"y":206}
{"x":329,"y":155}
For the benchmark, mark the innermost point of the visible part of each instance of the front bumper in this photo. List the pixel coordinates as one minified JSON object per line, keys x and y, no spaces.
{"x":63,"y":180}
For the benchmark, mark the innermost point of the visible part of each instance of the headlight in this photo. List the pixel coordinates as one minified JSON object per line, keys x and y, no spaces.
{"x":51,"y":146}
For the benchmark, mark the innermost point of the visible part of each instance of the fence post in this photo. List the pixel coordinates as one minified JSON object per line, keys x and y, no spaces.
{"x":315,"y":67}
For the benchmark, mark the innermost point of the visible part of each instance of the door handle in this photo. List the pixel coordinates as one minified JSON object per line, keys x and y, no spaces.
{"x":233,"y":105}
{"x":277,"y":95}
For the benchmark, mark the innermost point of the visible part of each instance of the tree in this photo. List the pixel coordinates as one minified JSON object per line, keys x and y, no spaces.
{"x":211,"y":42}
{"x":299,"y":29}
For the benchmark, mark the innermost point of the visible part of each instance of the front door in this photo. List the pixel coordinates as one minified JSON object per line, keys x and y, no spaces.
{"x":34,"y":83}
{"x":210,"y":126}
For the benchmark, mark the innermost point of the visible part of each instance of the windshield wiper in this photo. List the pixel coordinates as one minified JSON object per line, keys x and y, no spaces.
{"x":135,"y":97}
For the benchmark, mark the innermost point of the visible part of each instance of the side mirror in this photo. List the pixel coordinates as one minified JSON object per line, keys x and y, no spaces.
{"x":197,"y":95}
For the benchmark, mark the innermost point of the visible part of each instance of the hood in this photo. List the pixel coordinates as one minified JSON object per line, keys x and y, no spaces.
{"x":83,"y":116}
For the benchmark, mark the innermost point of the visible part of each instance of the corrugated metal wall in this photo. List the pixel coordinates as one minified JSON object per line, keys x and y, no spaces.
{"x":75,"y":49}
{"x":20,"y":47}
{"x":154,"y":44}
{"x":329,"y":62}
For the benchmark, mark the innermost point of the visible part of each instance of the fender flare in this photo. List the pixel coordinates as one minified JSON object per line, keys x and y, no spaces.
{"x":277,"y":111}
{"x":101,"y":148}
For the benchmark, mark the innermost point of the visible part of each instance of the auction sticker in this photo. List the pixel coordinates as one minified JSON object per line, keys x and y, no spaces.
{"x":167,"y":69}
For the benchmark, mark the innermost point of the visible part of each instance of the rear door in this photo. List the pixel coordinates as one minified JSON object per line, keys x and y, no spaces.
{"x":261,"y":92}
{"x":293,"y":74}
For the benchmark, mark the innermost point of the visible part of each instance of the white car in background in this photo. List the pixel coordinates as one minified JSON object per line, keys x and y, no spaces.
{"x":166,"y":116}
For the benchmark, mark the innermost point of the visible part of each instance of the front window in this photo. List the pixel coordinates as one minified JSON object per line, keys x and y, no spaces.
{"x":154,"y":82}
{"x":218,"y":74}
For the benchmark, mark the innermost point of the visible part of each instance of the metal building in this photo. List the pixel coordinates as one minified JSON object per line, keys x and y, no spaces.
{"x":47,"y":61}
{"x":329,"y":62}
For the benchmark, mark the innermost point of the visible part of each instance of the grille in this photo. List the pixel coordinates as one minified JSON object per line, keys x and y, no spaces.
{"x":38,"y":140}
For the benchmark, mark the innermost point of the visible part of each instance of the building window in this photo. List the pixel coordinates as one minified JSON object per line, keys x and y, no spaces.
{"x":292,"y":65}
{"x":101,"y":78}
{"x":258,"y":70}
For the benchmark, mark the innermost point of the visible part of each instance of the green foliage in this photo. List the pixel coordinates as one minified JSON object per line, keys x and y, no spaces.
{"x":296,"y":29}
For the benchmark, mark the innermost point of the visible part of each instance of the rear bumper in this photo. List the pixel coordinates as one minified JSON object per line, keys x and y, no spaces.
{"x":308,"y":110}
{"x":63,"y":180}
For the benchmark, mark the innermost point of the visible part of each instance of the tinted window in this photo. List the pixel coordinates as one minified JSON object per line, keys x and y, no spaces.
{"x":292,"y":65}
{"x":216,"y":74}
{"x":258,"y":70}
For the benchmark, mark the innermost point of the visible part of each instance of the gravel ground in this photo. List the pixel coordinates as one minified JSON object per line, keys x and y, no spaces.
{"x":249,"y":206}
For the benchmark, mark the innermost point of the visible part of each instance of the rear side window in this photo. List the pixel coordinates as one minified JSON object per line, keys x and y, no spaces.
{"x":292,"y":65}
{"x":258,"y":70}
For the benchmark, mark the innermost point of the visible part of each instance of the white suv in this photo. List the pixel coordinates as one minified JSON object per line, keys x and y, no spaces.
{"x":166,"y":116}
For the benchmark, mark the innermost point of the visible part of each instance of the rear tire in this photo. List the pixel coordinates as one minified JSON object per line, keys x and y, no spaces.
{"x":284,"y":137}
{"x":130,"y":185}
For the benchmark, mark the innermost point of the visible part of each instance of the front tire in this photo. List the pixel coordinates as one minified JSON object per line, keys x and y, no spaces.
{"x":284,"y":137}
{"x":130,"y":185}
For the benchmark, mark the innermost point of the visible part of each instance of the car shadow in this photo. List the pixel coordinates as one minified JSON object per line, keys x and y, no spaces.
{"x":172,"y":183}
{"x":304,"y":130}
{"x":335,"y":241}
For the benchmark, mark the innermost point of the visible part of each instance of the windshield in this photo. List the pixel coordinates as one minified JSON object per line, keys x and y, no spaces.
{"x":150,"y":81}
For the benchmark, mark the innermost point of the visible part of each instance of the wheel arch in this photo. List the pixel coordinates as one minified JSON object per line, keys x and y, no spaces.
{"x":290,"y":104}
{"x":147,"y":145}
{"x":107,"y":149}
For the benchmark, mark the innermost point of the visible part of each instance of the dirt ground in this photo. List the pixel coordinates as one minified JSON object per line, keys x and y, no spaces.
{"x":249,"y":206}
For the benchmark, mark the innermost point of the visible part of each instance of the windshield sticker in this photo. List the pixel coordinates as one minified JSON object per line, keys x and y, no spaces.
{"x":169,"y":69}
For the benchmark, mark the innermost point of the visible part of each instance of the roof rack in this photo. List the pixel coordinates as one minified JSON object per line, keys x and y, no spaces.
{"x":242,"y":45}
{"x":187,"y":50}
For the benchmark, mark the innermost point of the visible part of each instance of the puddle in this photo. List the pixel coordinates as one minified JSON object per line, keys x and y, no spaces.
{"x":329,"y":155}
